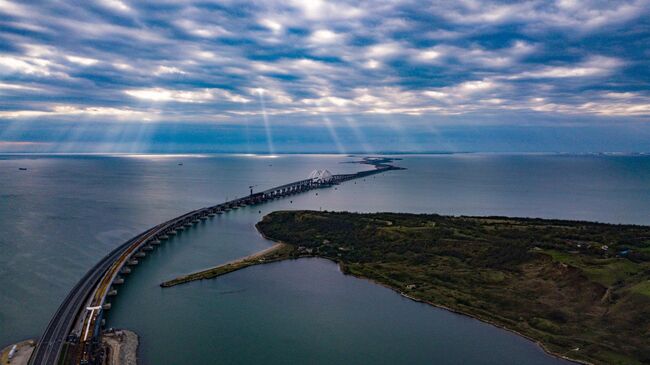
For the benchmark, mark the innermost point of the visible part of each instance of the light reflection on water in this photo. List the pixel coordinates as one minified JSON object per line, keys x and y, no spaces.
{"x":65,"y":212}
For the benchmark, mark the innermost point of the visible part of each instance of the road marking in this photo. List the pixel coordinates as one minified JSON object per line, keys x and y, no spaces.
{"x":92,"y":311}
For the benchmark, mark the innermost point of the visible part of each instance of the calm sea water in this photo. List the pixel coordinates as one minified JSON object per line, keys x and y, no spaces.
{"x":63,"y":213}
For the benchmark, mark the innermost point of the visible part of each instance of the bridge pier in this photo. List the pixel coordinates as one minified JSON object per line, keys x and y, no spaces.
{"x":115,"y":267}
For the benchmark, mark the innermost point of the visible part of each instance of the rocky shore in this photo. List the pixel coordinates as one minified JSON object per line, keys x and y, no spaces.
{"x":17,"y":354}
{"x":120,"y":347}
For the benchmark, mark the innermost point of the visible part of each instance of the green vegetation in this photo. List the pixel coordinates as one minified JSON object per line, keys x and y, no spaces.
{"x":581,"y":289}
{"x":275,"y":253}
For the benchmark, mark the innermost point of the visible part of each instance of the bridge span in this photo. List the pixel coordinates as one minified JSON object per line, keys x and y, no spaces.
{"x":73,"y":334}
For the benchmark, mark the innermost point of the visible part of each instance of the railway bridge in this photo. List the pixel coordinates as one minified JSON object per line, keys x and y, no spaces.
{"x":74,"y":333}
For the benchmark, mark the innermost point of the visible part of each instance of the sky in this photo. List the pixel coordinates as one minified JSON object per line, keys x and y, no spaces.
{"x":324,"y":76}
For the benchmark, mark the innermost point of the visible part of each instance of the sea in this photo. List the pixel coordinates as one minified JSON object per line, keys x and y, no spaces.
{"x":59,"y":214}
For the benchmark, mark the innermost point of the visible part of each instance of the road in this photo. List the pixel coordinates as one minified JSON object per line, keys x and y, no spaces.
{"x":51,"y":343}
{"x":92,"y":289}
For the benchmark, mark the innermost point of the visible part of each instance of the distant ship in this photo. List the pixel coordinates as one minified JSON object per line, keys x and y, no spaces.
{"x":22,"y":168}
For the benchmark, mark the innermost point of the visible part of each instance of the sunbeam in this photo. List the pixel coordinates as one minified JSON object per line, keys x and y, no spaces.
{"x":358,"y":133}
{"x":406,"y":143}
{"x":332,"y":131}
{"x":335,"y":137}
{"x":267,"y":124}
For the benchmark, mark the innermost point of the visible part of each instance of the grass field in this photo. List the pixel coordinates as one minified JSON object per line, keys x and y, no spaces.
{"x":581,"y":289}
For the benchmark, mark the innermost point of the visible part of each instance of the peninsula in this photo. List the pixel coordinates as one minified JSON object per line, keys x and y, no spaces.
{"x":580,"y":289}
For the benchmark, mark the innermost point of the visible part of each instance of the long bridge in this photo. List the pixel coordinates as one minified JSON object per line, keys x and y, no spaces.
{"x":73,"y":335}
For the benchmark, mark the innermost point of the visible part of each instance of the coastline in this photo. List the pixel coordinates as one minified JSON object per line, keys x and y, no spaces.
{"x":120,"y":347}
{"x":270,"y":254}
{"x":466,"y":314}
{"x":253,"y":260}
{"x":23,"y":352}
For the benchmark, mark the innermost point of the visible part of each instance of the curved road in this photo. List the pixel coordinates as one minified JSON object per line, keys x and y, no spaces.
{"x":97,"y":281}
{"x":51,"y":343}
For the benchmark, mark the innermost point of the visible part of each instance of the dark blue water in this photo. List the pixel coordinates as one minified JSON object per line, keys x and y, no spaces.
{"x":65,"y":212}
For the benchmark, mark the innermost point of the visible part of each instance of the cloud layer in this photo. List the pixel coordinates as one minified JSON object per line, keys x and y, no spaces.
{"x":323,"y":62}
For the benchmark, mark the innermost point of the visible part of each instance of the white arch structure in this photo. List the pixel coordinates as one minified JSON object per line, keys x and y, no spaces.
{"x":320,"y":176}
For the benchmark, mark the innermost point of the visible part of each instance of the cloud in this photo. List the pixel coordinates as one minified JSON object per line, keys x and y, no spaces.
{"x":594,"y":66}
{"x":71,"y":110}
{"x":325,"y":36}
{"x":24,"y":65}
{"x":116,"y":5}
{"x":583,"y":15}
{"x":195,"y":61}
{"x":84,"y":61}
{"x":162,"y":70}
{"x":184,"y":96}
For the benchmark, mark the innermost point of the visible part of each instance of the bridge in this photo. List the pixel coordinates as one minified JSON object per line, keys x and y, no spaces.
{"x":73,"y":335}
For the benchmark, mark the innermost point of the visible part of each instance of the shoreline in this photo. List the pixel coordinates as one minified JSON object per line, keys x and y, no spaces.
{"x":462,"y":313}
{"x":248,"y":261}
{"x":270,"y":254}
{"x":23,"y":352}
{"x":120,"y":347}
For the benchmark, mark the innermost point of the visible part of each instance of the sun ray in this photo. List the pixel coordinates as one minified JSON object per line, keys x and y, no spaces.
{"x":267,"y":124}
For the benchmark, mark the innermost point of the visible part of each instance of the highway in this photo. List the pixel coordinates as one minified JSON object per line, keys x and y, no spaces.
{"x":84,"y":303}
{"x":51,"y":343}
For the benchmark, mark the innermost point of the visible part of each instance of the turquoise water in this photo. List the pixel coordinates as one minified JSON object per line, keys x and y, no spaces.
{"x":64,"y":212}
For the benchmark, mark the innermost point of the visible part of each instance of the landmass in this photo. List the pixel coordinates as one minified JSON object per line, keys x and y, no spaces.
{"x":17,"y":354}
{"x":120,"y":347}
{"x":579,"y":289}
{"x":274,"y":253}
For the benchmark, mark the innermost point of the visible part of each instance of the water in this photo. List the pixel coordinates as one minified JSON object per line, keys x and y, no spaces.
{"x":65,"y":212}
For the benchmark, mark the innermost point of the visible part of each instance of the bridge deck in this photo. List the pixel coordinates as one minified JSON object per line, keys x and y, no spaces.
{"x":91,"y":291}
